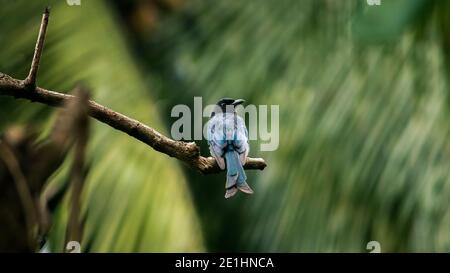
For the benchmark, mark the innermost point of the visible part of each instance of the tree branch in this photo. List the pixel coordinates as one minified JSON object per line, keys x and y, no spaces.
{"x":188,"y":152}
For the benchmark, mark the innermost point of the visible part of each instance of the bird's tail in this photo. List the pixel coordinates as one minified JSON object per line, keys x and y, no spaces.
{"x":236,"y":177}
{"x":231,"y":158}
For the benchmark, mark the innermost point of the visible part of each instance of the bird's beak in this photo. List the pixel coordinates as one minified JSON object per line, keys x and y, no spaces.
{"x":238,"y":101}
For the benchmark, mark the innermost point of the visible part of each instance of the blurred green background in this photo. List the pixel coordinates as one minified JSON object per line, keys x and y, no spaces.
{"x":364,"y":119}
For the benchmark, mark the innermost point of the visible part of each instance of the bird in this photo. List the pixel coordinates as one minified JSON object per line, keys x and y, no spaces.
{"x":228,"y":144}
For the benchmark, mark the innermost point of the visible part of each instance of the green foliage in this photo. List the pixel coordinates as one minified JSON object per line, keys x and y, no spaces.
{"x":364,"y":150}
{"x":364,"y":134}
{"x":388,"y":21}
{"x":135,"y":199}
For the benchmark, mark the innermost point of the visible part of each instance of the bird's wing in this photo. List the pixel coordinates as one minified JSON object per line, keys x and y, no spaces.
{"x":216,"y":140}
{"x":241,"y":142}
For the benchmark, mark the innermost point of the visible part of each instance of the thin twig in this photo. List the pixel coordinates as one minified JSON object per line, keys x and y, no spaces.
{"x":26,"y":199}
{"x":30,"y":81}
{"x":188,"y":152}
{"x":80,"y":128}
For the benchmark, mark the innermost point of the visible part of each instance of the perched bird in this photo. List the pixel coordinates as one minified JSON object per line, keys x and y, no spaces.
{"x":228,"y":144}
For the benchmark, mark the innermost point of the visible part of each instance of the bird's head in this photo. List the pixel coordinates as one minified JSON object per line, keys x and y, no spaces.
{"x":223,"y":103}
